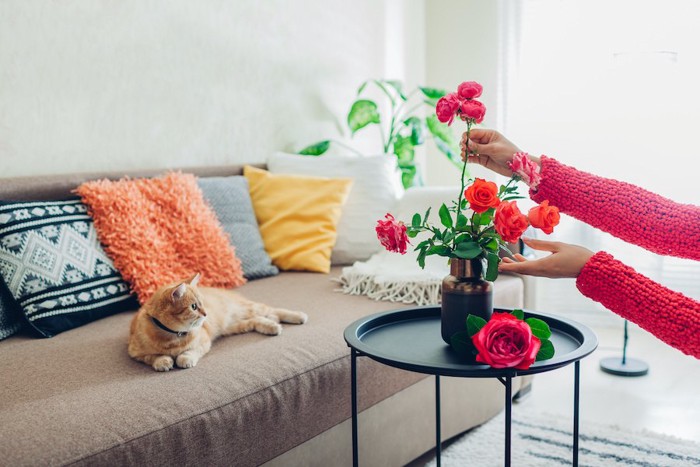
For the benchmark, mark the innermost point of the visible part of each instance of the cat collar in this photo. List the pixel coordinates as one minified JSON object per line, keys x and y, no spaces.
{"x":167,"y":329}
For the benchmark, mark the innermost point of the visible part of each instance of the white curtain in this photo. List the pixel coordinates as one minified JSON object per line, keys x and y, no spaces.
{"x":612,"y":88}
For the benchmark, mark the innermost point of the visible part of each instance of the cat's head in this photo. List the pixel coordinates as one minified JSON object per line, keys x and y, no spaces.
{"x":178,"y":306}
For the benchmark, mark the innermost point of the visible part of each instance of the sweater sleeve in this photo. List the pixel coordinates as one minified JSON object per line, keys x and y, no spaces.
{"x":670,"y":316}
{"x":624,"y":210}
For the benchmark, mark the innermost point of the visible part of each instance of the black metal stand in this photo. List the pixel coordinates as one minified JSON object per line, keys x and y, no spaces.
{"x":625,"y":366}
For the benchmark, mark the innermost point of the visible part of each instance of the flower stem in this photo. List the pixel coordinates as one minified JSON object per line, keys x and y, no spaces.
{"x":461,"y":191}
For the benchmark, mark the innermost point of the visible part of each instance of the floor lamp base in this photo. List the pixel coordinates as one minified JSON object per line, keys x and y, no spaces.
{"x":631,"y":367}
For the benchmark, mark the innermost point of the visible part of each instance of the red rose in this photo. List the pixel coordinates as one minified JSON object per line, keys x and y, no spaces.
{"x":510,"y":223}
{"x":474,"y":110}
{"x":469,"y":90}
{"x":392,"y":234}
{"x":446,"y":108}
{"x":506,"y":342}
{"x":544,"y":217}
{"x":482,"y":195}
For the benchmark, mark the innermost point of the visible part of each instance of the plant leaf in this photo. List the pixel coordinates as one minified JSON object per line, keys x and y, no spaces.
{"x":467,"y":250}
{"x":441,"y":250}
{"x":316,"y":149}
{"x":445,"y":140}
{"x":546,"y":350}
{"x":408,"y":174}
{"x":362,"y":113}
{"x":403,"y":148}
{"x":398,"y":87}
{"x":432,"y":93}
{"x":462,"y":220}
{"x":417,"y":128}
{"x":540,"y":329}
{"x":474,"y":324}
{"x":421,"y":258}
{"x":416,"y":222}
{"x":520,"y":314}
{"x":445,"y":216}
{"x":492,"y":260}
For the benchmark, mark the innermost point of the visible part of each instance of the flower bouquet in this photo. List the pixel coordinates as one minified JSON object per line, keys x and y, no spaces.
{"x":479,"y":225}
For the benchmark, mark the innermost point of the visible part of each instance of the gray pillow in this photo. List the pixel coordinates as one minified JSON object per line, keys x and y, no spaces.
{"x":230,"y":199}
{"x":9,"y":315}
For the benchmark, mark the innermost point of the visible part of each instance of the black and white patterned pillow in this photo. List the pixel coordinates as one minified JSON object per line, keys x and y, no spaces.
{"x":230,"y":199}
{"x":55,"y":268}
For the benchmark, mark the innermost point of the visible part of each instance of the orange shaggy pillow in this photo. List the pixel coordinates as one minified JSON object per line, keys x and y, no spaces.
{"x":161,"y":230}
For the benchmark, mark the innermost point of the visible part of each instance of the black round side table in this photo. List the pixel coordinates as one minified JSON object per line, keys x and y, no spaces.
{"x":410,"y":339}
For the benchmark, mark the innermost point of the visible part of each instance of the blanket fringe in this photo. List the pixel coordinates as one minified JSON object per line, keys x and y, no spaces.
{"x":424,"y":292}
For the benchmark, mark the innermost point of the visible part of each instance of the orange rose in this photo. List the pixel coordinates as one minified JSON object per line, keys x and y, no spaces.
{"x":482,"y":195}
{"x":544,"y":217}
{"x":510,"y":223}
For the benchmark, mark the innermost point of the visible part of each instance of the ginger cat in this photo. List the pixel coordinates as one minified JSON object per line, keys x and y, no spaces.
{"x":177,"y":325}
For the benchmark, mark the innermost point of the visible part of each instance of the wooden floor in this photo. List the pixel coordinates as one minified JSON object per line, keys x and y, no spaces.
{"x":666,"y":400}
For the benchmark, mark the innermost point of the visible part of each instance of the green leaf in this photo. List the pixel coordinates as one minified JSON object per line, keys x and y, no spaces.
{"x":362,"y":87}
{"x":415,"y":124}
{"x":462,"y":220}
{"x":362,"y":113}
{"x":461,"y":343}
{"x":492,"y":260}
{"x":408,"y":175}
{"x":467,"y":250}
{"x":421,"y":258}
{"x":440,"y":250}
{"x":474,"y":324}
{"x":432,"y":93}
{"x":316,"y":149}
{"x":546,"y":350}
{"x":416,"y":222}
{"x":520,"y":314}
{"x":445,"y":216}
{"x":411,"y":233}
{"x":422,"y":245}
{"x":490,"y":244}
{"x":427,"y":213}
{"x":445,"y":140}
{"x":540,"y":329}
{"x":403,"y":148}
{"x":448,"y":236}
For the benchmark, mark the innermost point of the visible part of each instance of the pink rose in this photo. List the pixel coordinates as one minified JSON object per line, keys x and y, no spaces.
{"x":510,"y":223}
{"x":526,"y":169}
{"x":446,"y":108}
{"x":506,"y":342}
{"x":469,"y":90}
{"x":392,"y":234}
{"x":474,"y":110}
{"x":544,"y":217}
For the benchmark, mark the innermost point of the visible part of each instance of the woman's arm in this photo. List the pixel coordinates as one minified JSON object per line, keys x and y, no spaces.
{"x":626,"y":211}
{"x":670,"y":316}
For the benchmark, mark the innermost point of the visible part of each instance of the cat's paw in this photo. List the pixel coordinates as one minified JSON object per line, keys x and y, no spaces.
{"x":301,"y":318}
{"x":163,"y":363}
{"x":185,"y":360}
{"x":270,"y":329}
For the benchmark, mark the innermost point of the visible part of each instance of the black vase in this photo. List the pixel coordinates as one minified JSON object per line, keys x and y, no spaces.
{"x":464,"y":292}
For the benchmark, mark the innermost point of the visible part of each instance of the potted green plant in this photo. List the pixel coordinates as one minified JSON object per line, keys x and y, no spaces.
{"x":411,"y":121}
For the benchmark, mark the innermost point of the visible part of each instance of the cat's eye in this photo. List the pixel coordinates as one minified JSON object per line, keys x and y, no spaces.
{"x":194,"y":307}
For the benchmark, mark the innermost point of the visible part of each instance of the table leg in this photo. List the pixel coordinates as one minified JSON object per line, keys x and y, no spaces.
{"x":438,"y":437}
{"x":577,"y":376}
{"x":509,"y":405}
{"x":353,"y":391}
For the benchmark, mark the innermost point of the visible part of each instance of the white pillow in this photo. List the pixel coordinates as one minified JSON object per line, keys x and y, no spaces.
{"x":375,"y":191}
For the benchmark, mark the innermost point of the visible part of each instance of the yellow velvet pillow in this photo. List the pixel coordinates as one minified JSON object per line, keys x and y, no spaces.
{"x":298,"y":216}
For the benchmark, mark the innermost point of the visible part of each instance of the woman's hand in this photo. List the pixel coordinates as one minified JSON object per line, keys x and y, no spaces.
{"x":490,"y":149}
{"x":565,"y":261}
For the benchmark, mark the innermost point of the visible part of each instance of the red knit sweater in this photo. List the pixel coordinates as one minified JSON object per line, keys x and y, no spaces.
{"x":636,"y":216}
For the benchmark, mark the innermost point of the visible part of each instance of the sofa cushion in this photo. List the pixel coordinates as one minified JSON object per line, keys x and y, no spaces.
{"x":53,"y":265}
{"x":298,"y":216}
{"x":375,"y":191}
{"x":79,"y":398}
{"x":160,"y":230}
{"x":230,"y":199}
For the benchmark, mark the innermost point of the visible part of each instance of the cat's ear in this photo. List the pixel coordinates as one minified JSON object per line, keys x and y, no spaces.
{"x":195,"y":280}
{"x":179,"y":292}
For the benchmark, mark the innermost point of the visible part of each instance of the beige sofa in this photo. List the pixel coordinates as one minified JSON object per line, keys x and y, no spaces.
{"x":78,"y":398}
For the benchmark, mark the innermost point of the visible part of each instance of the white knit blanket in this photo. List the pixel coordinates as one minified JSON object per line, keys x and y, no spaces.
{"x":396,"y":278}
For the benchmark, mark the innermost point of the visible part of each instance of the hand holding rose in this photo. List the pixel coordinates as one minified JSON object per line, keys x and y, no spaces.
{"x":565,"y":261}
{"x":492,"y":149}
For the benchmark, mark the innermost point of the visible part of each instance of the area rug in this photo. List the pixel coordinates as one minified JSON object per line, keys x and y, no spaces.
{"x":540,"y":440}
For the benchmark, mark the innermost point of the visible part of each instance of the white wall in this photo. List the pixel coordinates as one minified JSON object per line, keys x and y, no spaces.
{"x":111,"y":85}
{"x":463,"y":41}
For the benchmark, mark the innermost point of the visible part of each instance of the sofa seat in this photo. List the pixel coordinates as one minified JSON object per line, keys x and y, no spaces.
{"x":78,"y":398}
